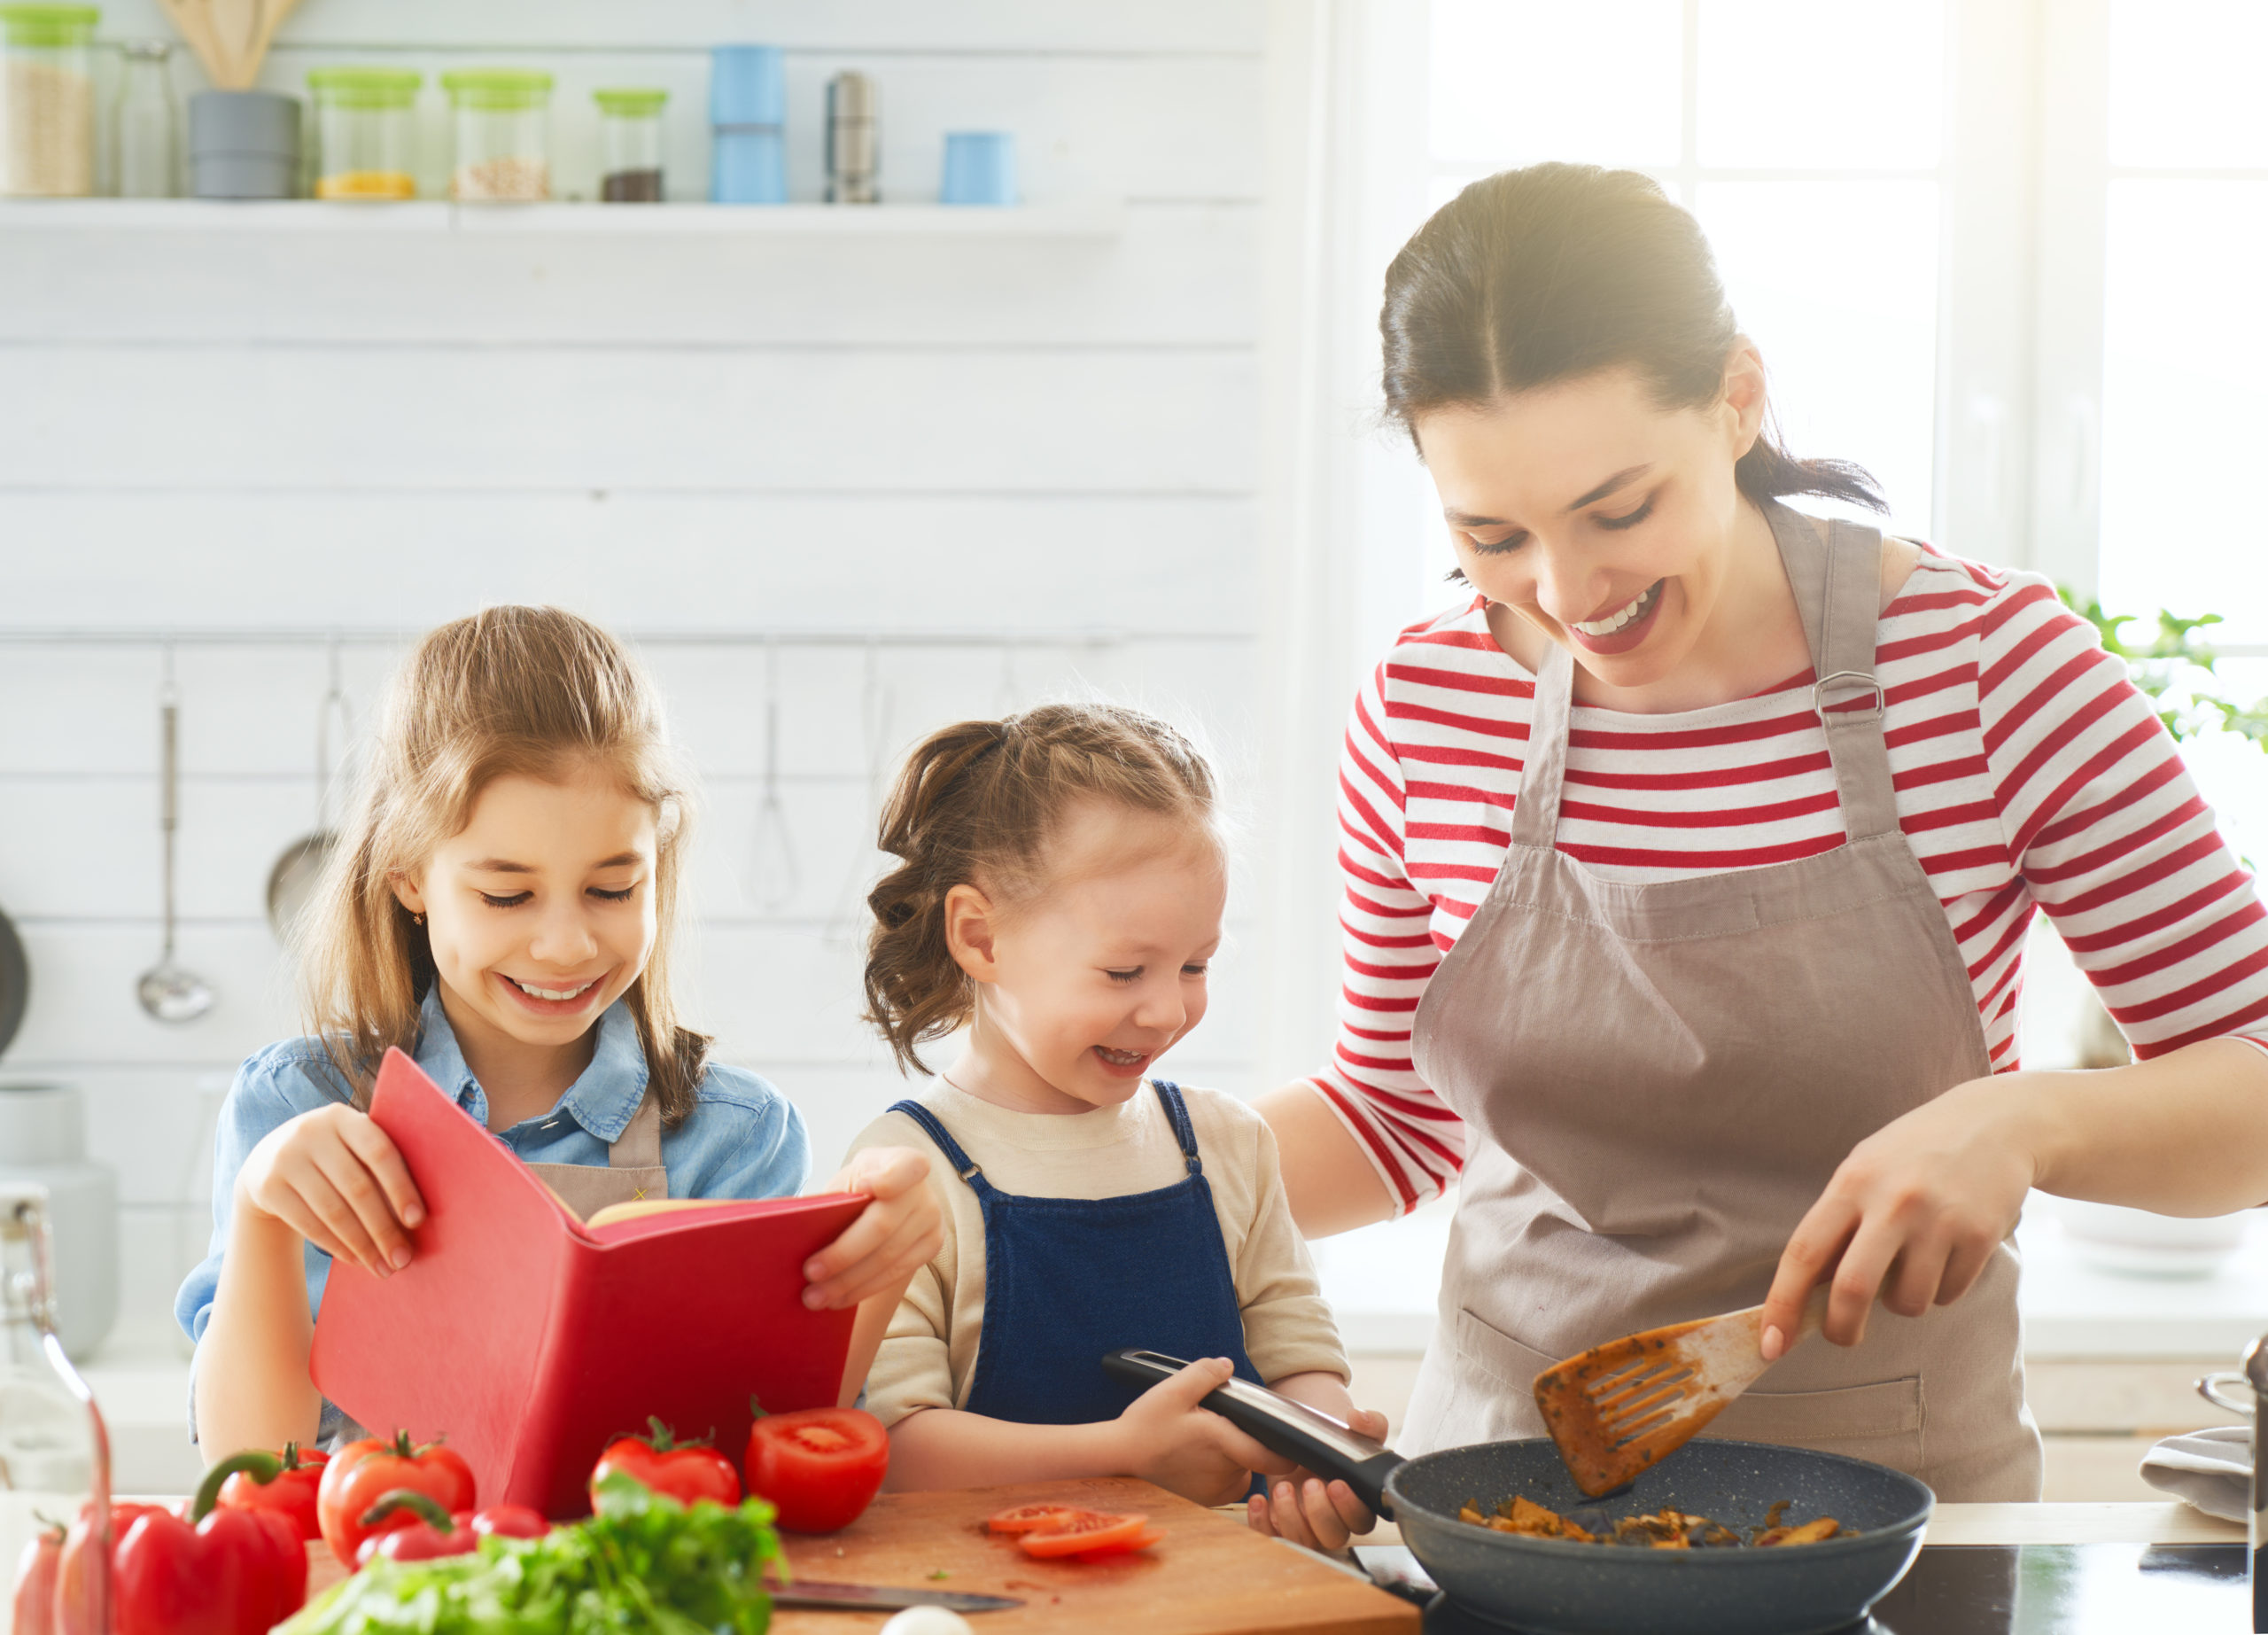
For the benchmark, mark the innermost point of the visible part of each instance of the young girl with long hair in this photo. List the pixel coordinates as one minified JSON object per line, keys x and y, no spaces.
{"x":1058,"y":893}
{"x":500,"y":907}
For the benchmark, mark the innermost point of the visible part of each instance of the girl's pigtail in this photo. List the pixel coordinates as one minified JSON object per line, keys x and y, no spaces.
{"x":916,"y":991}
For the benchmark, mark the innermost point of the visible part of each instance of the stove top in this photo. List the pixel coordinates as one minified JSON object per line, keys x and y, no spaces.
{"x":2100,"y":1589}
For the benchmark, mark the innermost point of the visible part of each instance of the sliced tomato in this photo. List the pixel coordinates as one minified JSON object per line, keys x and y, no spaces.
{"x":1031,"y":1518}
{"x":1089,"y":1529}
{"x":1102,"y":1553}
{"x":820,"y":1468}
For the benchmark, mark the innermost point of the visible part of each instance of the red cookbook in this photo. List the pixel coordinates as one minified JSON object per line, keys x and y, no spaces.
{"x":529,"y":1340}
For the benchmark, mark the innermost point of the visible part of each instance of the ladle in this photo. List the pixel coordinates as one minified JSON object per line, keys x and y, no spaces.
{"x":167,"y":991}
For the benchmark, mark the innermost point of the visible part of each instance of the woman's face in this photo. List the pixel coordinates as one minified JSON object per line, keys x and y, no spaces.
{"x":1604,"y":520}
{"x":541,"y":911}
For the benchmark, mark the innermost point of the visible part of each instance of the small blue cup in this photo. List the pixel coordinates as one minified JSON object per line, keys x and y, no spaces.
{"x":979,"y":168}
{"x":748,"y":106}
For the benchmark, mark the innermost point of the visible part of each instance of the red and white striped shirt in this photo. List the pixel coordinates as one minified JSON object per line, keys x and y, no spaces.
{"x":2030,"y":773}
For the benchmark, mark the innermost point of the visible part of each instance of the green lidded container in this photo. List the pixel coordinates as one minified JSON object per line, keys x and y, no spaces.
{"x":47,"y":101}
{"x":366,"y":133}
{"x":630,"y":144}
{"x":502,"y":120}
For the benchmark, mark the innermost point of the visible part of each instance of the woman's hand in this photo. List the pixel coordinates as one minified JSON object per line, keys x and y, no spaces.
{"x":1913,"y":1214}
{"x":333,"y":1176}
{"x":894,"y":1235}
{"x":1308,"y":1510}
{"x":1168,"y":1439}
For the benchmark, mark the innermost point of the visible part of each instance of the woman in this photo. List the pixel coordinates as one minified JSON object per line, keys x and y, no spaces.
{"x":1687,"y":870}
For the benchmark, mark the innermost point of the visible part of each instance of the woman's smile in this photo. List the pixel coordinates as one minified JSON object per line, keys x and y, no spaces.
{"x":1623,"y":628}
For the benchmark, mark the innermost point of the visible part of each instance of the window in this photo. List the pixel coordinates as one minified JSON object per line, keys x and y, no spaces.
{"x":1805,"y":136}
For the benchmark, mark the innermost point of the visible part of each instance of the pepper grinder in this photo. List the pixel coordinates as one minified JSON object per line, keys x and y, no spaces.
{"x":853,"y":141}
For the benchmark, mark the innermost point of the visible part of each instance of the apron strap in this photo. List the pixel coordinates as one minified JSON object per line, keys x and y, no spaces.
{"x":1838,"y":595}
{"x":639,"y":1147}
{"x":1177,"y":1115}
{"x":1535,"y":813}
{"x":937,"y":1132}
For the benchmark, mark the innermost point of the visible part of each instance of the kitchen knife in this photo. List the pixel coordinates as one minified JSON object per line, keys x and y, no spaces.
{"x":808,"y":1593}
{"x":1321,"y":1444}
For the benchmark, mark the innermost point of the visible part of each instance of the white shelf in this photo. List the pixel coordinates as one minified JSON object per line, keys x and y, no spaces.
{"x":302,"y":215}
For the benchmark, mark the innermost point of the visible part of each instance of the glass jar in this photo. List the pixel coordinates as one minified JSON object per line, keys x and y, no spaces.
{"x":47,"y":101}
{"x":630,"y":145}
{"x":366,"y":132}
{"x":148,"y":123}
{"x":504,"y":136}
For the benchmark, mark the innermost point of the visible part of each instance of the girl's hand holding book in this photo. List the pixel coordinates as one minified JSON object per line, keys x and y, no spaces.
{"x":333,"y":1176}
{"x":899,"y":1232}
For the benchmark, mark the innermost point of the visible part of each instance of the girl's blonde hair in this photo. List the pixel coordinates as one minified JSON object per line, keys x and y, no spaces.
{"x":533,"y":690}
{"x":978,"y":804}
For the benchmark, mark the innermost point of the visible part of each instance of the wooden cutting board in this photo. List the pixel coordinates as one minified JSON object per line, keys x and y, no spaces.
{"x":1212,"y":1575}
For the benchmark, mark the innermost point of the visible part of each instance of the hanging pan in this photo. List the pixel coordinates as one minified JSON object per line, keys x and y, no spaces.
{"x":291,"y":882}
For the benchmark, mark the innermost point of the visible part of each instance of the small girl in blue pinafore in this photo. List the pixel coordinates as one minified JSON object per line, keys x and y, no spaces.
{"x":1059,"y":893}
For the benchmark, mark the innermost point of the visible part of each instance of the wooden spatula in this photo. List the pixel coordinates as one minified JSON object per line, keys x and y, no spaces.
{"x":1621,"y":1407}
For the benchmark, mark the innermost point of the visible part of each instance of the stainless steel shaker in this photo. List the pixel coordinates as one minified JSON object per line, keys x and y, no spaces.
{"x":853,"y":141}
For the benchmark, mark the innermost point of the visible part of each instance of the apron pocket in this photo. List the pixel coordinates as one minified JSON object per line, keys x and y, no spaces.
{"x":1880,"y":1422}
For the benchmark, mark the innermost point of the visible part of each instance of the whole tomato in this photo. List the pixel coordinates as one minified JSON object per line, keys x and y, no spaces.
{"x":685,"y":1471}
{"x":362,"y":1473}
{"x":291,"y":1492}
{"x":820,"y":1468}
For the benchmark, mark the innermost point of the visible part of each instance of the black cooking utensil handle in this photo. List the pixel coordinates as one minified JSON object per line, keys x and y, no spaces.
{"x":1318,"y":1442}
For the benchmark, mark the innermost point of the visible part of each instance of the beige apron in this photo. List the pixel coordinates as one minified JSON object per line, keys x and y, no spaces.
{"x":1658,"y":1080}
{"x":634,"y":1173}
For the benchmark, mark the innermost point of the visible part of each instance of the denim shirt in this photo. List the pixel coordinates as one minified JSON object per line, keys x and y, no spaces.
{"x":743,"y":1139}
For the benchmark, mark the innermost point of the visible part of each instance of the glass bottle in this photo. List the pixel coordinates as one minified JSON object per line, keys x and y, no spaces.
{"x":47,"y":101}
{"x":503,"y":139}
{"x":630,"y":145}
{"x":148,"y":123}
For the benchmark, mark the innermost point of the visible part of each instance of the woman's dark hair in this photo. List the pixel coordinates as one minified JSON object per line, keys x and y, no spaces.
{"x":1546,"y":274}
{"x":979,"y":804}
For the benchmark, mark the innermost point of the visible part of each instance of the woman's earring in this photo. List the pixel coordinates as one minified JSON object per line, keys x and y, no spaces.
{"x":418,"y":919}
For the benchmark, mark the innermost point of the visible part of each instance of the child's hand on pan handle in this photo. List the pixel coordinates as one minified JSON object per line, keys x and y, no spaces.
{"x":1304,"y":1507}
{"x":894,"y":1235}
{"x":1164,"y":1436}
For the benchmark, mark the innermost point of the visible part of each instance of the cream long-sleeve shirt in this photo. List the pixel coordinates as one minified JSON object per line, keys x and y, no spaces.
{"x":928,"y":1358}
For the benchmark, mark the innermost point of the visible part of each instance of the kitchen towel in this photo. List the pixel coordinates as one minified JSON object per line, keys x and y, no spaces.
{"x":2212,"y":1469}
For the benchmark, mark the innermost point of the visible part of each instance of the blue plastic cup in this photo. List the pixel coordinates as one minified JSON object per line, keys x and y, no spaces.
{"x":979,"y":168}
{"x":748,"y":106}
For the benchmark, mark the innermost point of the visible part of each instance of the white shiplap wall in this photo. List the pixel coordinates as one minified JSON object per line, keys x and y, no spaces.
{"x":376,"y":426}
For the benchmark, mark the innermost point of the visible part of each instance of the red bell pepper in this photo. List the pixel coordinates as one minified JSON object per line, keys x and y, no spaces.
{"x":35,"y":1574}
{"x":362,"y":1473}
{"x":291,"y":1491}
{"x":435,"y":1532}
{"x":83,"y":1548}
{"x":686,"y":1470}
{"x":209,"y":1570}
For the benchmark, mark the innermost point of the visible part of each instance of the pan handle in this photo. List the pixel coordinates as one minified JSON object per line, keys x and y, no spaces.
{"x":1319,"y":1443}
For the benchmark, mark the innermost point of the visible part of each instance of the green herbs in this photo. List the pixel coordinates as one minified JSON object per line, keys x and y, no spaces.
{"x":643,"y":1562}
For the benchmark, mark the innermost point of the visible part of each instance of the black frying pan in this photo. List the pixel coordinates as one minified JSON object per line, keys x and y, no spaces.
{"x":15,"y":981}
{"x":1548,"y":1586}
